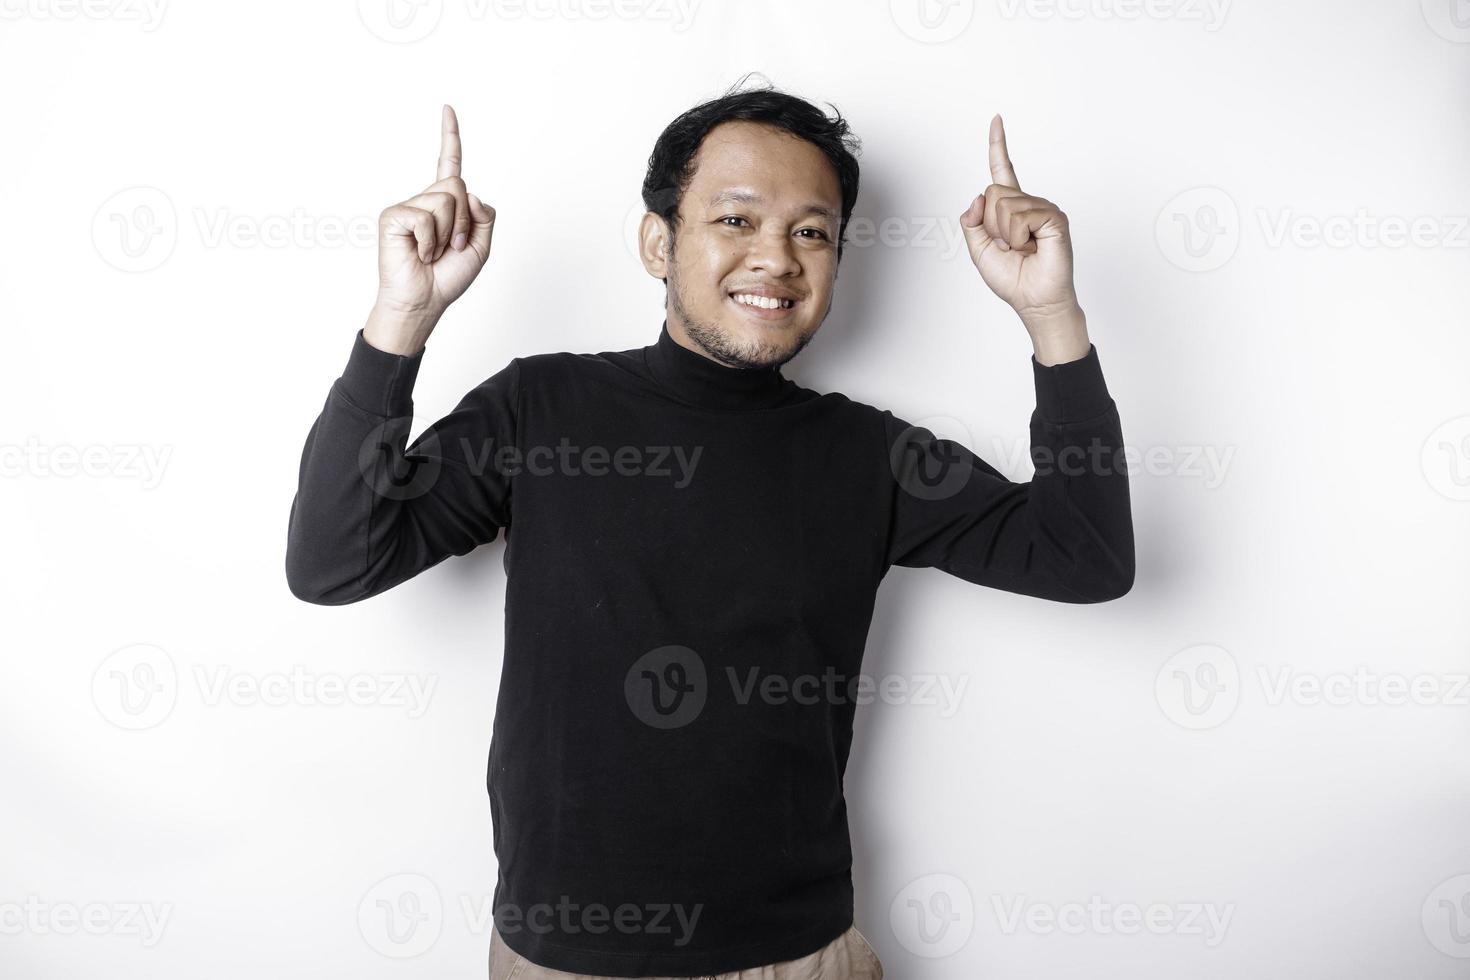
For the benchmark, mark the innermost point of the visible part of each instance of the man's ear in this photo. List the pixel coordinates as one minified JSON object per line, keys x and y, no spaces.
{"x":653,"y":245}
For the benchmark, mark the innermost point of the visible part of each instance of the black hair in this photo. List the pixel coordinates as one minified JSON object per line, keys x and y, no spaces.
{"x":671,"y":165}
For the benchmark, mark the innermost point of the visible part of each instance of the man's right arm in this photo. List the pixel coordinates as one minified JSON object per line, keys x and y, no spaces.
{"x":371,"y":511}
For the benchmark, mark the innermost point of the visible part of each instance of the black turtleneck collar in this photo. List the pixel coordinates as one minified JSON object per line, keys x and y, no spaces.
{"x":697,"y":380}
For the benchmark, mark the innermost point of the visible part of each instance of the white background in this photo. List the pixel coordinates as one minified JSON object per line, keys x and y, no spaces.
{"x":176,"y":299}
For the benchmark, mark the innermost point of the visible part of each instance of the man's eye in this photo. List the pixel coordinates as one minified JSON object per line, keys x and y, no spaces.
{"x":819,"y":231}
{"x":732,"y":217}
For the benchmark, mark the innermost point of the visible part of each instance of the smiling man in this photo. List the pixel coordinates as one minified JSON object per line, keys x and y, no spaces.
{"x":753,"y":276}
{"x":683,"y":647}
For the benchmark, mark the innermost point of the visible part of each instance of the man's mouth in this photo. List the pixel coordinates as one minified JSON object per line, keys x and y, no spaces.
{"x":764,"y":307}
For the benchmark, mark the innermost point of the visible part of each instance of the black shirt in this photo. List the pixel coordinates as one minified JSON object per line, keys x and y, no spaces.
{"x":692,"y":555}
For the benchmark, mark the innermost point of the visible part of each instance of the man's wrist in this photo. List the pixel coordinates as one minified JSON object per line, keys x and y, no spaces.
{"x":1058,"y":337}
{"x":401,"y":332}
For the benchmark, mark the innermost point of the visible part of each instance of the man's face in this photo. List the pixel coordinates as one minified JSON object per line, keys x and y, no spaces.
{"x":760,"y":217}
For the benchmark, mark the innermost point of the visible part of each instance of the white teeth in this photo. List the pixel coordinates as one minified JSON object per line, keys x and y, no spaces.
{"x":764,"y":302}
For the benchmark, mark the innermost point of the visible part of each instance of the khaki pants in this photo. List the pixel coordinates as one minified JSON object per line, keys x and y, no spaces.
{"x":848,"y":957}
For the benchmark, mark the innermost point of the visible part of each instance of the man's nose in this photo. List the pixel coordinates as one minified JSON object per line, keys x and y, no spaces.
{"x":775,"y":253}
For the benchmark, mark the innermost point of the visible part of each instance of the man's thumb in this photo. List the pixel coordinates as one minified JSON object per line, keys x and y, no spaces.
{"x":484,"y":225}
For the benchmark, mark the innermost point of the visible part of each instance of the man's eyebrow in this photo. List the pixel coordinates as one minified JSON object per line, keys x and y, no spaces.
{"x":746,"y":197}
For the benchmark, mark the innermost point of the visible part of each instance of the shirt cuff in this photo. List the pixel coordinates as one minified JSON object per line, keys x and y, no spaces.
{"x":1072,"y":391}
{"x":379,"y":382}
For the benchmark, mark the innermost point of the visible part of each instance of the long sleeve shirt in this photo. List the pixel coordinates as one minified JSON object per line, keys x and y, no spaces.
{"x":692,"y":553}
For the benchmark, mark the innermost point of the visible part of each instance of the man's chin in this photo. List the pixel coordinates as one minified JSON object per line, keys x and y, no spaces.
{"x":761,"y":345}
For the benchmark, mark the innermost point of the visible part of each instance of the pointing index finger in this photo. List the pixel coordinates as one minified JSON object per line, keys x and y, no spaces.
{"x":449,"y":151}
{"x":1001,"y":171}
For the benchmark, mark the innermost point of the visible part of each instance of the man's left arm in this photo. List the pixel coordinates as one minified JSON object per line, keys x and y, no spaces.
{"x":1068,"y":533}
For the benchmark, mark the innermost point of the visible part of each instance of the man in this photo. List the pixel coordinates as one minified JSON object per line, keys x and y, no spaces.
{"x":694,"y":542}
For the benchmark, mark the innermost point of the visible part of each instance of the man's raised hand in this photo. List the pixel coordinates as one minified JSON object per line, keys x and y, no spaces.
{"x":430,"y":248}
{"x":1023,"y":248}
